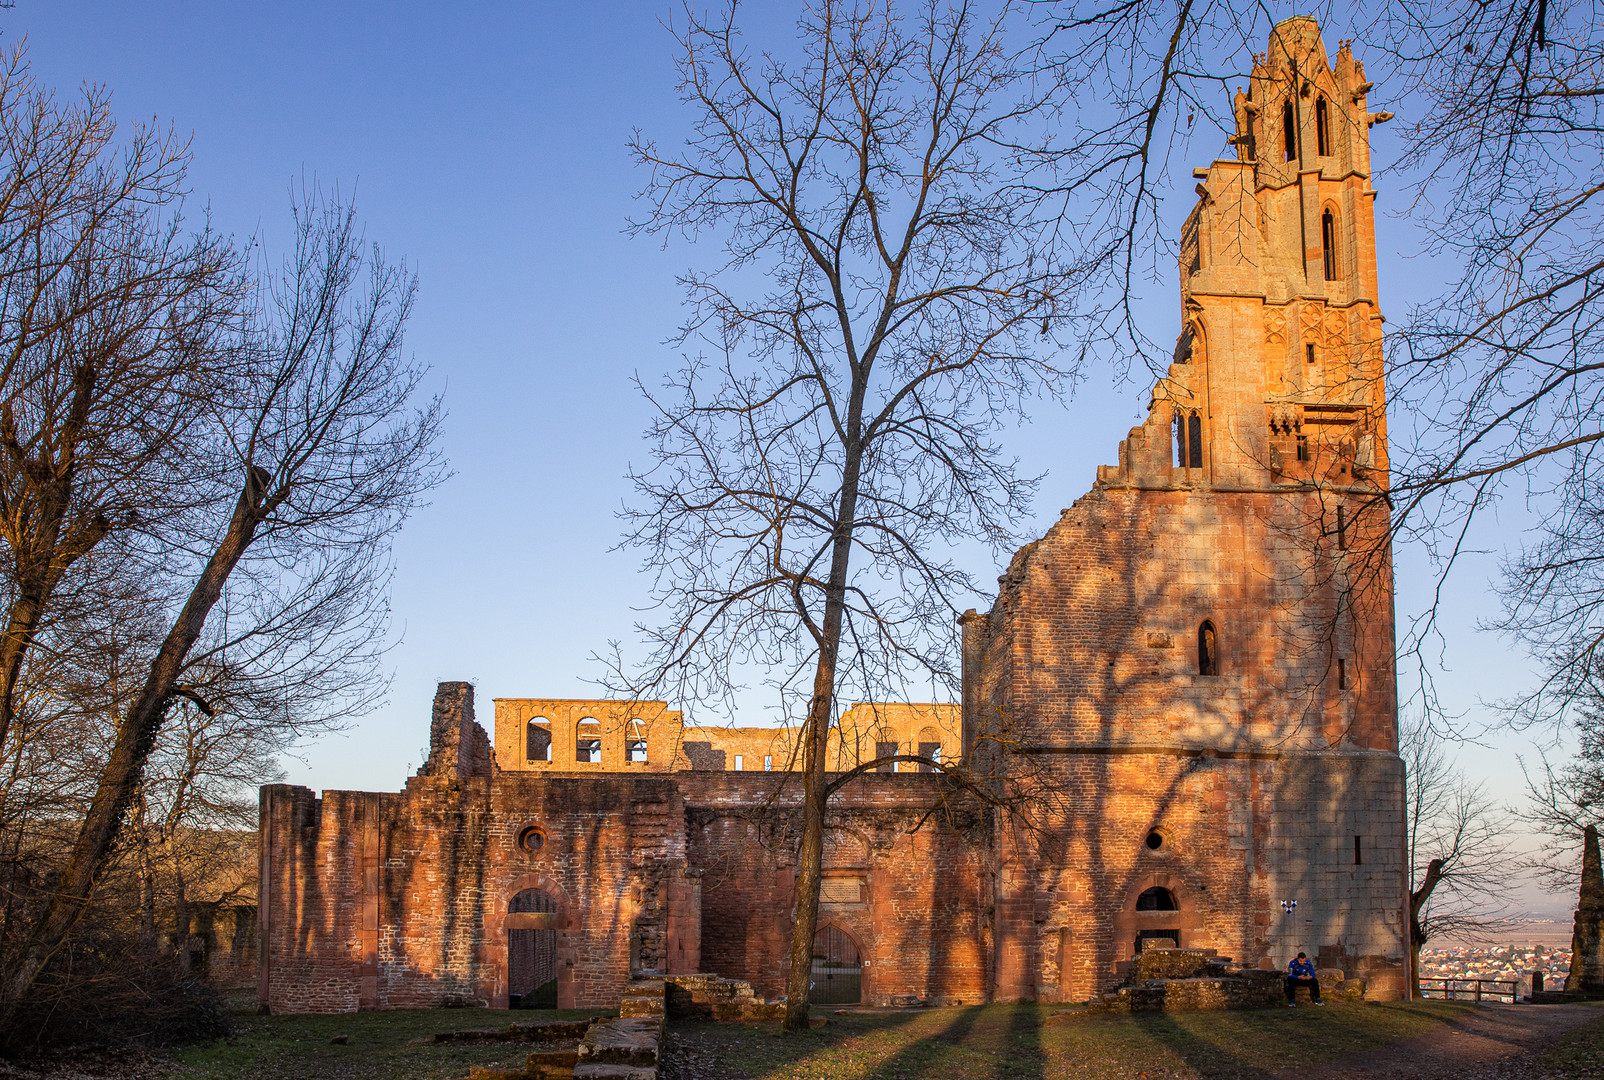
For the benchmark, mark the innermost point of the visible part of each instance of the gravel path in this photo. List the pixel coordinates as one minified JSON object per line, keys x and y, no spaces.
{"x":1495,"y":1042}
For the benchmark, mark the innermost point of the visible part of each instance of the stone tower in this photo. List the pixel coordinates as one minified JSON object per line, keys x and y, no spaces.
{"x":1193,"y":669}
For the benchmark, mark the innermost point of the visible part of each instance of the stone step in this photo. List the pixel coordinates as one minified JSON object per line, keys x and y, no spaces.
{"x":614,"y":1072}
{"x":624,"y":1041}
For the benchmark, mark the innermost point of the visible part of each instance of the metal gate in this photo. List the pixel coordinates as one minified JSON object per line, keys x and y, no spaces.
{"x":837,"y":971}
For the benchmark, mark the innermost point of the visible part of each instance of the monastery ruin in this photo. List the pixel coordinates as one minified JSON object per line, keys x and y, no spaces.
{"x":1188,"y":684}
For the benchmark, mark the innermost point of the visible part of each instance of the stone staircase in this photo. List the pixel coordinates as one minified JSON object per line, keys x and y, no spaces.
{"x":718,"y":998}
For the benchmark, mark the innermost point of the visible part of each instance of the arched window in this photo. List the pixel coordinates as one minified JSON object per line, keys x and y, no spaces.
{"x":1157,"y":899}
{"x":1188,"y":441}
{"x":635,"y":743}
{"x":929,"y":748}
{"x":1322,"y":136}
{"x":537,"y":739}
{"x":1208,"y":649}
{"x":1289,"y":132}
{"x":1328,"y":243}
{"x":587,"y":740}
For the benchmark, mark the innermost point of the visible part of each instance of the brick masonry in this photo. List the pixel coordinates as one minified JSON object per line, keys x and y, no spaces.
{"x":1186,"y":686}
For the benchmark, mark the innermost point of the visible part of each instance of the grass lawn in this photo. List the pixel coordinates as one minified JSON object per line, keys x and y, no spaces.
{"x":379,"y":1047}
{"x":1030,"y":1042}
{"x":992,"y":1042}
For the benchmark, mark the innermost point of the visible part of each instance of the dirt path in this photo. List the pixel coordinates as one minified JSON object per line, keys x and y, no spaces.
{"x":1494,"y":1042}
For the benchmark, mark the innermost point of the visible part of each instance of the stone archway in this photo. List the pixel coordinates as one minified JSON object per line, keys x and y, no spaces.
{"x":837,"y":968}
{"x":532,"y":950}
{"x":528,"y":928}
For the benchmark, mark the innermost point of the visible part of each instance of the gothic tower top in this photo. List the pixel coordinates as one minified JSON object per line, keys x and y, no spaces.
{"x":1276,"y":382}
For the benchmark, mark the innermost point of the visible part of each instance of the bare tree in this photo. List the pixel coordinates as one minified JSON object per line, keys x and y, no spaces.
{"x":316,"y":455}
{"x":890,"y":292}
{"x":1462,"y":866}
{"x":1497,"y":376}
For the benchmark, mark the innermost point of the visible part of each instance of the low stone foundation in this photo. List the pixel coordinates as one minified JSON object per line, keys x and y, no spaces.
{"x":717,"y":998}
{"x":1198,"y":980}
{"x":623,"y":1048}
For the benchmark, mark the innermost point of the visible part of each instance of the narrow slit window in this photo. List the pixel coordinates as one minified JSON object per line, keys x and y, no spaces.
{"x":1342,"y":528}
{"x":1180,"y":441}
{"x":1308,"y":352}
{"x":1194,"y":441}
{"x":1328,"y":243}
{"x":1342,"y":674}
{"x":1303,"y":448}
{"x":768,"y":763}
{"x":1208,"y":649}
{"x":1322,"y":137}
{"x":737,"y":762}
{"x":1358,"y":851}
{"x":1289,"y":132}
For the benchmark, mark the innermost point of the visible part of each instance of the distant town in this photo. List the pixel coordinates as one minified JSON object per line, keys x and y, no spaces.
{"x":1503,"y":962}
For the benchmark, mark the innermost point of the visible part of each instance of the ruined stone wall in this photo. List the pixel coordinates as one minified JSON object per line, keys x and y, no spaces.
{"x":387,"y":901}
{"x":1202,"y":648}
{"x":908,"y":887}
{"x":1257,"y":779}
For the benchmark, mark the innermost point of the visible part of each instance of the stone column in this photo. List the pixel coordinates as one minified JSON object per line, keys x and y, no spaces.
{"x":1587,"y":939}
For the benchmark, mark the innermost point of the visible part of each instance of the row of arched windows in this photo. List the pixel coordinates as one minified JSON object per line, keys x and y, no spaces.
{"x":587,"y":740}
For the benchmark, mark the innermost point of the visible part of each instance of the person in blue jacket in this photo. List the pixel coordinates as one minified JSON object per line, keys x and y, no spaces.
{"x":1300,"y":972}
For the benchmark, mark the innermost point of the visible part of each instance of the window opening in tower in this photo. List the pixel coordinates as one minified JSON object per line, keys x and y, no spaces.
{"x":1328,"y":242}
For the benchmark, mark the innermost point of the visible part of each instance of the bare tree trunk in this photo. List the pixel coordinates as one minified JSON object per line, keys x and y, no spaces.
{"x":120,"y":778}
{"x":147,"y":876}
{"x":1417,"y":932}
{"x":815,"y":794}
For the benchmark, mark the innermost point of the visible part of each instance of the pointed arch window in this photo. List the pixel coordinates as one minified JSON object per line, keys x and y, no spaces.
{"x":1188,"y":441}
{"x":1322,"y":130}
{"x":1328,"y":243}
{"x":1208,"y":649}
{"x":1289,"y":132}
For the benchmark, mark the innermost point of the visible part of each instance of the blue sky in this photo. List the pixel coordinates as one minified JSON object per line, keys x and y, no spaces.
{"x":486,"y":144}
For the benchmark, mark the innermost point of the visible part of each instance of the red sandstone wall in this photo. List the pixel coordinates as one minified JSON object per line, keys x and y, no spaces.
{"x":1258,"y":778}
{"x":385,"y":901}
{"x":918,"y":917}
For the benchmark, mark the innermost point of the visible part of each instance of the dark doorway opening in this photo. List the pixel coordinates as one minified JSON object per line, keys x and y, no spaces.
{"x":532,"y":951}
{"x":837,"y":969}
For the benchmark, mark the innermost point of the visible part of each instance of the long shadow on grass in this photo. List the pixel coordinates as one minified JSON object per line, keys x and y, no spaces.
{"x":1207,"y":1058}
{"x":922,"y":1057}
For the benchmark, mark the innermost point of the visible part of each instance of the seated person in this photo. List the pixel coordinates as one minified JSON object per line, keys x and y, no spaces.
{"x":1300,"y":972}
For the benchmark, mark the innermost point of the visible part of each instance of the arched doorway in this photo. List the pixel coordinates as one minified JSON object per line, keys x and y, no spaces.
{"x":532,"y":950}
{"x":837,"y":969}
{"x":1157,"y":899}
